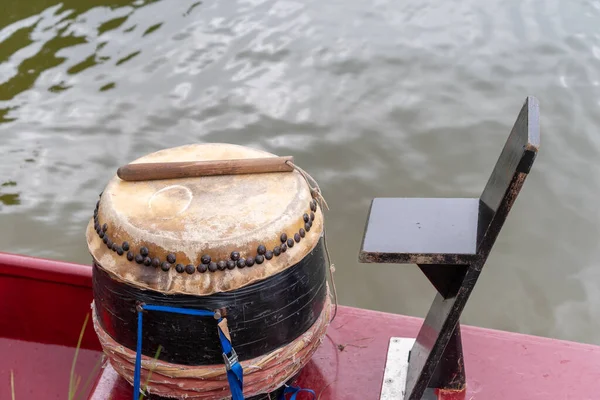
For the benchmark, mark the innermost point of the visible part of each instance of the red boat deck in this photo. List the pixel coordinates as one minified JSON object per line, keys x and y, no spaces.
{"x":42,"y":371}
{"x":499,"y":365}
{"x":50,"y":307}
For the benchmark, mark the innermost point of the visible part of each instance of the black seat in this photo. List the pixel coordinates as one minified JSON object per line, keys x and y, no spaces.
{"x":421,"y":231}
{"x":453,"y":230}
{"x":450,"y":240}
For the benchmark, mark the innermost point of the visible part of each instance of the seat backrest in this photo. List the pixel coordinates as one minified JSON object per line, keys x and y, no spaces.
{"x":508,"y":175}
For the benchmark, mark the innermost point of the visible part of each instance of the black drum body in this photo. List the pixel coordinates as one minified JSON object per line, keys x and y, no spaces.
{"x":262,"y":316}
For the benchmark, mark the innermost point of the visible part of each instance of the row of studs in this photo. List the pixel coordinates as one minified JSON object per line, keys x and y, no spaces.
{"x":143,"y":257}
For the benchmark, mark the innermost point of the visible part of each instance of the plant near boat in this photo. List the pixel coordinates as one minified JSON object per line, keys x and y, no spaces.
{"x":150,"y":372}
{"x":73,"y":384}
{"x":12,"y":384}
{"x":74,"y":380}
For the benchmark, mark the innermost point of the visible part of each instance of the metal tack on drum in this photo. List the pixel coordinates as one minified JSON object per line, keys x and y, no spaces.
{"x":180,"y":246}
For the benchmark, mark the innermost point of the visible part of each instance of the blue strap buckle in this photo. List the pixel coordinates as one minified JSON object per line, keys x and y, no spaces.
{"x":294,"y":390}
{"x":231,"y":360}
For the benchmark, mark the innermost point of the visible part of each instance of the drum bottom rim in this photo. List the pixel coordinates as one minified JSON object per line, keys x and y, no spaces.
{"x":262,"y":375}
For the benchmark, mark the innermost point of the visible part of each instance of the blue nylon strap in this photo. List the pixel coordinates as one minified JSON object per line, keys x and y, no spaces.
{"x":177,"y":310}
{"x":138,"y":358}
{"x":235,"y":376}
{"x":225,"y":344}
{"x":293,"y":390}
{"x":235,"y":383}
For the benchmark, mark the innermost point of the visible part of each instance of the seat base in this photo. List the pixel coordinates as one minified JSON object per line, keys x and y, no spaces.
{"x":421,"y":231}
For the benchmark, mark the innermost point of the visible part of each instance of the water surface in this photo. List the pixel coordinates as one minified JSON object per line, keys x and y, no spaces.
{"x":379,"y":98}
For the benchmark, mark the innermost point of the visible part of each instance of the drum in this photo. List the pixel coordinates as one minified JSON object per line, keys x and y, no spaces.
{"x":247,"y":249}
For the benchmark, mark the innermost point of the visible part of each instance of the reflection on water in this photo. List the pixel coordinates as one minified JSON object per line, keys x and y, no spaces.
{"x":9,"y":199}
{"x":372,"y":99}
{"x":38,"y":40}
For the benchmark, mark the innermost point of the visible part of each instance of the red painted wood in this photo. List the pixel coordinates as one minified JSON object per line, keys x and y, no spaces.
{"x":348,"y":365}
{"x":41,"y":371}
{"x":451,"y":394}
{"x":43,"y":304}
{"x":499,"y":365}
{"x":45,"y":301}
{"x":45,"y":270}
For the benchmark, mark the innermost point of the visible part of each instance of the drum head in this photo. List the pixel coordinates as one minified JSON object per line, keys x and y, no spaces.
{"x":171,"y":235}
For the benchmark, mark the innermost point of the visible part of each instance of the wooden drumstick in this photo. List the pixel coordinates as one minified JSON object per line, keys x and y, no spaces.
{"x":187,"y":169}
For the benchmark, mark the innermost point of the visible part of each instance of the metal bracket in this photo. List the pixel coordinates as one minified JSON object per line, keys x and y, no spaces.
{"x":395,"y":374}
{"x":229,"y":361}
{"x":396,"y":368}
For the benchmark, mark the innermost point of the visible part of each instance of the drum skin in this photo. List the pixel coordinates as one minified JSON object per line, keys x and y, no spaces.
{"x":212,"y":216}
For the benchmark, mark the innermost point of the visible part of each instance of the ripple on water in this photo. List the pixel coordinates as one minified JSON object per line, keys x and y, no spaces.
{"x":373,"y":99}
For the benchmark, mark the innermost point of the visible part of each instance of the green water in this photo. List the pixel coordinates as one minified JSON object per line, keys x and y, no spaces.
{"x":379,"y":98}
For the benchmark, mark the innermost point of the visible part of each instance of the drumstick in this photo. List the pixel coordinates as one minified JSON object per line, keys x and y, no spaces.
{"x":187,"y":169}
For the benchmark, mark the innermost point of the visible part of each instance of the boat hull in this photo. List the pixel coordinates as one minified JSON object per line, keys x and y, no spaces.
{"x":43,"y":305}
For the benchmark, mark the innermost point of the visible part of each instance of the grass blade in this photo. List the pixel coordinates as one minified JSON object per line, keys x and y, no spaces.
{"x":90,"y":376}
{"x":150,"y":372}
{"x":12,"y":384}
{"x":72,"y":385}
